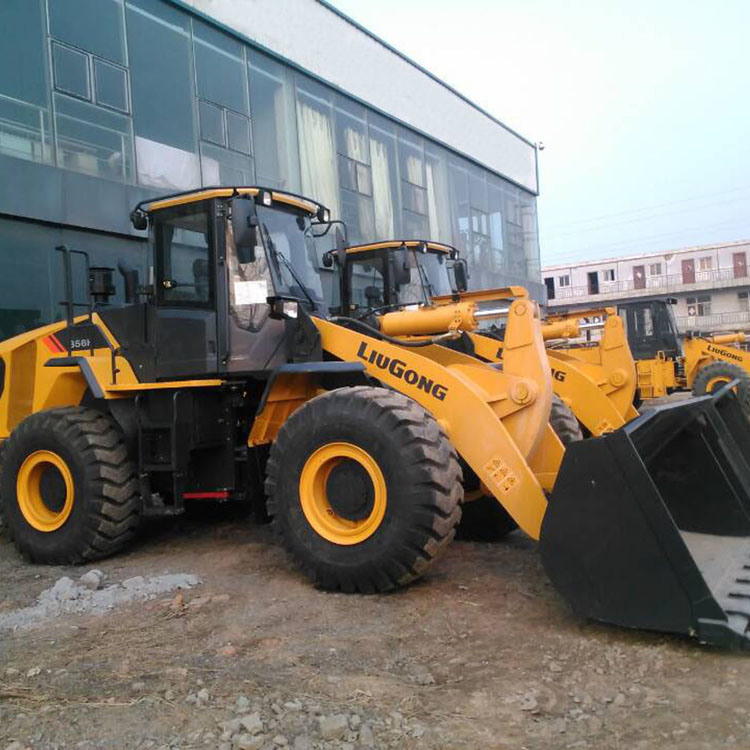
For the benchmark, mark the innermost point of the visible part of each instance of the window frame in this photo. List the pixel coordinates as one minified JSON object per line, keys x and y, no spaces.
{"x":156,"y":241}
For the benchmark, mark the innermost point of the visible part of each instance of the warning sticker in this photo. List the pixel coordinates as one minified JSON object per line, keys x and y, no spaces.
{"x":250,"y":292}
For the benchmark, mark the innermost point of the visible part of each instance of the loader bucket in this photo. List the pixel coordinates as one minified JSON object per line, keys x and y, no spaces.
{"x":649,"y":526}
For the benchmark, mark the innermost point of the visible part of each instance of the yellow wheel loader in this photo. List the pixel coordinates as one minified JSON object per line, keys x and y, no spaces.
{"x":702,"y":364}
{"x":225,"y":372}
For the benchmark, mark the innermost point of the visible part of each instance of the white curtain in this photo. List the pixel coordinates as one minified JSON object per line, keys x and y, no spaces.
{"x":432,"y":206}
{"x":356,"y":146}
{"x":414,"y":170}
{"x":317,"y":157}
{"x":381,"y":191}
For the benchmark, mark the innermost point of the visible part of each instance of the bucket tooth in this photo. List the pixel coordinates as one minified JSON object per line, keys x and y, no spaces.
{"x":649,"y":526}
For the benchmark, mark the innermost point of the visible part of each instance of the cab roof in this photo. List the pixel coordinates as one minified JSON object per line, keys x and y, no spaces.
{"x":206,"y":193}
{"x":435,"y":247}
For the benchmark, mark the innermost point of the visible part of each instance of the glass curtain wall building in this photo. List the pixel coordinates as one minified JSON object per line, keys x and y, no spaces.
{"x":106,"y":102}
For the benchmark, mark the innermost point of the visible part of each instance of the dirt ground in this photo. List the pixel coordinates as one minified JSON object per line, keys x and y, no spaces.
{"x":481,"y":653}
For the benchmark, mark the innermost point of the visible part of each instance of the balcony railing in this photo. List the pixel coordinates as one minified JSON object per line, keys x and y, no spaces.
{"x":659,"y":284}
{"x":740,"y":319}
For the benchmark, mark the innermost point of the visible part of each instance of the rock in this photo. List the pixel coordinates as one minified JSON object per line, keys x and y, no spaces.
{"x":232,"y":726}
{"x":252,"y":723}
{"x":203,"y":696}
{"x":293,"y":706}
{"x":225,"y":746}
{"x":249,"y":741}
{"x":243,"y":703}
{"x":228,"y":651}
{"x":417,"y":731}
{"x":15,"y":746}
{"x":280,"y":740}
{"x":528,"y":703}
{"x":619,"y":700}
{"x":169,"y":695}
{"x":137,"y":686}
{"x":366,"y":737}
{"x":92,"y":580}
{"x":333,"y":727}
{"x":302,"y":742}
{"x":220,"y":599}
{"x":554,"y":667}
{"x":346,"y":746}
{"x":12,"y":672}
{"x":34,"y":671}
{"x":354,"y":721}
{"x":134,"y":583}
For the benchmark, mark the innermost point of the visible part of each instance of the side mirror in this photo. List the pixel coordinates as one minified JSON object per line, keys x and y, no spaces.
{"x":461,"y":275}
{"x":400,"y":266}
{"x":244,"y":229}
{"x":130,"y":277}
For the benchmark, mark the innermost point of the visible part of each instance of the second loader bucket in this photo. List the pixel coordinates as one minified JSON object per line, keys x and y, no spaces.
{"x":649,"y":526}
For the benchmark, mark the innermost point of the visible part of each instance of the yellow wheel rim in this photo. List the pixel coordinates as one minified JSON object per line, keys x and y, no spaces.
{"x":717,"y":382}
{"x":332,"y":524}
{"x":44,"y":488}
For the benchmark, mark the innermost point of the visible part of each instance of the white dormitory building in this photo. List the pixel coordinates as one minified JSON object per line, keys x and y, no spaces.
{"x":710,"y":282}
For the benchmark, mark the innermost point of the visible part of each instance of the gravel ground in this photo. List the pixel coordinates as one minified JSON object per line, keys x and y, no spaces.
{"x":481,"y":653}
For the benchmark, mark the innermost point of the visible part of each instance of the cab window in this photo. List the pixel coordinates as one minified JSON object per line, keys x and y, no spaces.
{"x":184,"y":268}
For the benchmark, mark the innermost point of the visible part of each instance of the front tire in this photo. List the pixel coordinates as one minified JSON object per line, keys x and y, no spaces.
{"x":364,"y":489}
{"x":68,"y":490}
{"x":717,"y":374}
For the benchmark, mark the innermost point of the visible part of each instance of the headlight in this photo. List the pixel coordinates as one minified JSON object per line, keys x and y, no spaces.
{"x":290,"y":309}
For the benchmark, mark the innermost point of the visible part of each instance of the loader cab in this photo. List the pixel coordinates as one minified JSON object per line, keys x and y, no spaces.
{"x":232,"y":270}
{"x":651,"y":328}
{"x":394,"y":274}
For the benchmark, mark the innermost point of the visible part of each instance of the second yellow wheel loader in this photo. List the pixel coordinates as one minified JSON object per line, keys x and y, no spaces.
{"x":225,"y":372}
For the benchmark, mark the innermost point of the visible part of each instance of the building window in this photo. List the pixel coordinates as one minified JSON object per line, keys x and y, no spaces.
{"x":655,"y":269}
{"x":563,"y":280}
{"x":384,"y":167}
{"x":699,"y":306}
{"x":166,"y":135}
{"x":705,"y":263}
{"x":413,"y":184}
{"x":317,"y":146}
{"x":608,"y":274}
{"x":355,"y":170}
{"x":274,"y":124}
{"x":742,"y":302}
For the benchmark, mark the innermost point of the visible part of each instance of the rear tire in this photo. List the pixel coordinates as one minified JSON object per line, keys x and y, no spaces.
{"x":364,"y":489}
{"x":716,"y":374}
{"x":484,"y":519}
{"x":68,"y":490}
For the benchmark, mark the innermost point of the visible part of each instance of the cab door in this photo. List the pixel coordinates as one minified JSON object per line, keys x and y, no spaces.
{"x":183,"y":323}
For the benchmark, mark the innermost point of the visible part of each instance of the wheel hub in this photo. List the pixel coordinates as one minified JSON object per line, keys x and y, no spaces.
{"x":350,"y":490}
{"x":44,"y":489}
{"x":343,"y":493}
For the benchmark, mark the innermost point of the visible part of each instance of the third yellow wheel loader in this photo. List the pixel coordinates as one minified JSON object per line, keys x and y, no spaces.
{"x":225,"y":377}
{"x":701,"y":364}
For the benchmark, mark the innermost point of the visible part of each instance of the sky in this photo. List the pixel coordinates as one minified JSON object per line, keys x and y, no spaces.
{"x":643,"y":108}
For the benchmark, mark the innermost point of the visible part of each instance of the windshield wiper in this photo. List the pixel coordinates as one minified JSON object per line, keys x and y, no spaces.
{"x":426,"y":281}
{"x":280,"y":256}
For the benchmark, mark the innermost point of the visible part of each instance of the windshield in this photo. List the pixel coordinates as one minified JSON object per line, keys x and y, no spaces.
{"x":290,"y":246}
{"x":434,"y":270}
{"x":428,"y":277}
